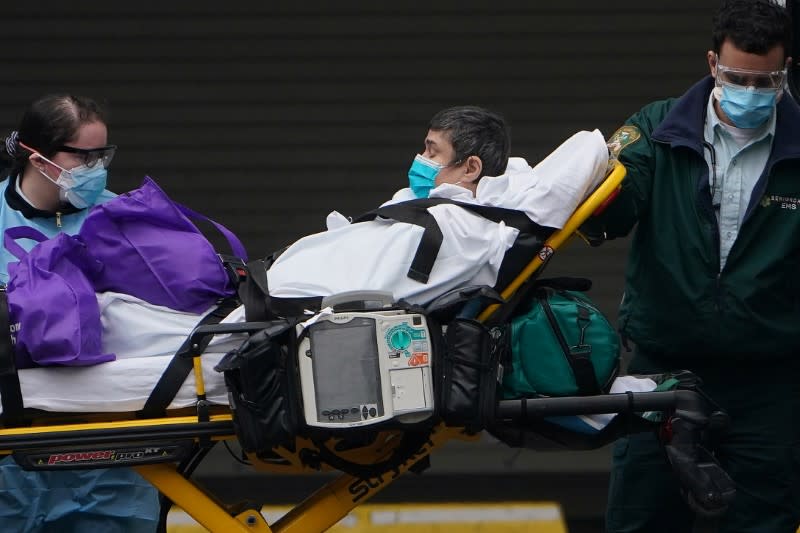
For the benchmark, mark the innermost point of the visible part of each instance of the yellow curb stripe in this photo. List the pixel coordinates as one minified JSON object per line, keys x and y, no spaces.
{"x":508,"y":517}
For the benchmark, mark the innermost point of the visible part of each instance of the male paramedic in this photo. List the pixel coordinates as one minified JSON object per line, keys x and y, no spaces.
{"x":712,"y":279}
{"x":56,"y":166}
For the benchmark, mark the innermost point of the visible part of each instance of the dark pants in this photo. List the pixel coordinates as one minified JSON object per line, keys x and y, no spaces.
{"x":760,"y":450}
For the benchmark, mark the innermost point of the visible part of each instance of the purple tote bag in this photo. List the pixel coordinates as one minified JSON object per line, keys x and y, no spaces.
{"x":52,"y":307}
{"x":150,"y":249}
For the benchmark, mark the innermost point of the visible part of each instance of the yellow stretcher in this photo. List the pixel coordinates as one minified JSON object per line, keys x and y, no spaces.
{"x":166,"y":450}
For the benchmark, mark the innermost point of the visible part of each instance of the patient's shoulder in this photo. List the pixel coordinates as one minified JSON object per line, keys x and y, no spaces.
{"x":403,"y":195}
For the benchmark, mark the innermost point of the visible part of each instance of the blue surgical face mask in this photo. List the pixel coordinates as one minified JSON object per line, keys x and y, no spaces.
{"x":86,"y":185}
{"x":80,"y":186}
{"x":747,"y":107}
{"x":422,"y":176}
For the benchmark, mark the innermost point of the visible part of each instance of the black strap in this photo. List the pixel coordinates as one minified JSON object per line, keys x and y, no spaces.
{"x":179,"y":367}
{"x":257,"y":270}
{"x":291,"y":307}
{"x":9,"y":379}
{"x":580,"y":358}
{"x":429,"y":244}
{"x":259,"y":305}
{"x":416,"y":212}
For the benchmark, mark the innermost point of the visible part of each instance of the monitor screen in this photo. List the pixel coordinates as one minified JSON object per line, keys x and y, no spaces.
{"x":346,"y":369}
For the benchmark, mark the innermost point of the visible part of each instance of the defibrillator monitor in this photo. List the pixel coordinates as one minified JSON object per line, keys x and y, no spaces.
{"x":361,"y":368}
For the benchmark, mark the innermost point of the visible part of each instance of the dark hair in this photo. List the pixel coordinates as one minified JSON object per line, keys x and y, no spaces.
{"x":49,"y":122}
{"x":473,"y":130}
{"x":753,"y":26}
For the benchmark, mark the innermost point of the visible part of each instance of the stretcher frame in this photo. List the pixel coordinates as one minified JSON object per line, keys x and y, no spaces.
{"x":179,"y":442}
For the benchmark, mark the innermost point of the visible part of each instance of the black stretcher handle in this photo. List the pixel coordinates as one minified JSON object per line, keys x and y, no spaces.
{"x":688,"y":402}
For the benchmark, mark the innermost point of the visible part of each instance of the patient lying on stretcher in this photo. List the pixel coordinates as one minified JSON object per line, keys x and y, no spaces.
{"x":465,"y":159}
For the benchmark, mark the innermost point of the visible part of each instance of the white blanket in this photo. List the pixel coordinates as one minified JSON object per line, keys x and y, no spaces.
{"x":117,"y":386}
{"x":135,"y":328}
{"x":144,"y":337}
{"x":376,"y":255}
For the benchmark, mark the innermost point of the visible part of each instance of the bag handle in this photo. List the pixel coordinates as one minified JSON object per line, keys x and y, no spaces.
{"x":236,"y":245}
{"x":12,"y":235}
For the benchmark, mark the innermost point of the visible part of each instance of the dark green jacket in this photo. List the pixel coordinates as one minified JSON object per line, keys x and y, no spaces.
{"x":677,"y":303}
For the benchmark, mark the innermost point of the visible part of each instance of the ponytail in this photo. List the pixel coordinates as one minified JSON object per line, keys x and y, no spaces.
{"x":9,"y":152}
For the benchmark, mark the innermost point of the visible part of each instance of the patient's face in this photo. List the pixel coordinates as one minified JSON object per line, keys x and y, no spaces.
{"x":438,"y":148}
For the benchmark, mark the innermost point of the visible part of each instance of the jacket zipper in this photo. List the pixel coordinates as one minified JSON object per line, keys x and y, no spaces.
{"x":58,"y":219}
{"x":705,"y":203}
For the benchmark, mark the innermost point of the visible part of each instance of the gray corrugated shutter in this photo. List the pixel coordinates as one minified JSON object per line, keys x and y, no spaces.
{"x":267,"y":115}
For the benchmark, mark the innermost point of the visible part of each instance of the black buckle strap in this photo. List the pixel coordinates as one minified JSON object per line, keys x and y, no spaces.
{"x":235,"y":267}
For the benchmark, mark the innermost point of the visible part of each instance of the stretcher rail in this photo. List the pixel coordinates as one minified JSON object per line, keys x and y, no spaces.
{"x":57,"y":437}
{"x":632,"y":402}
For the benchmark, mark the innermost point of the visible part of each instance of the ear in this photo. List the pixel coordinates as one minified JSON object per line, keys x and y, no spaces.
{"x":37,"y":162}
{"x":473,"y":167}
{"x":711,"y":57}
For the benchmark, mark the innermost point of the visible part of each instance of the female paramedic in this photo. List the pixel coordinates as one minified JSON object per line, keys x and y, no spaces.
{"x":56,"y":165}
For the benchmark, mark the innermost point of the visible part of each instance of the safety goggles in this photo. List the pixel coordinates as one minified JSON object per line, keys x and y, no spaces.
{"x":91,"y":156}
{"x":760,"y":79}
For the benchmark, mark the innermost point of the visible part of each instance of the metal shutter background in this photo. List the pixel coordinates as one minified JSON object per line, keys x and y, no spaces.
{"x":267,"y":115}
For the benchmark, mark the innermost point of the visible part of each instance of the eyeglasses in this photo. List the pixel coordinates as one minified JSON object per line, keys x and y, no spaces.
{"x":760,"y":79}
{"x":90,"y":156}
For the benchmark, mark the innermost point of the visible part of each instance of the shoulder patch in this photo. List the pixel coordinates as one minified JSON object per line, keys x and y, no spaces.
{"x":623,"y":137}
